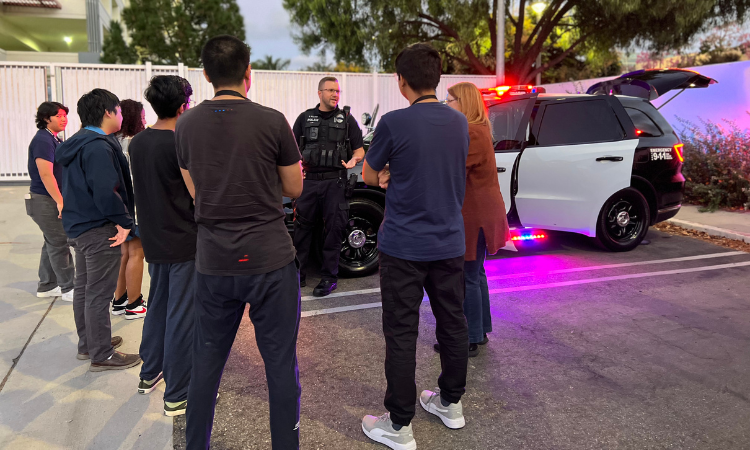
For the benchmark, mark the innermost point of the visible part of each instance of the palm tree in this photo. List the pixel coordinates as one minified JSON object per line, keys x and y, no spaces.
{"x":269,"y":63}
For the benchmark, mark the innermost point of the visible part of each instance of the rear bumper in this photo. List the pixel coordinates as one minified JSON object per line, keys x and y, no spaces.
{"x":667,"y":213}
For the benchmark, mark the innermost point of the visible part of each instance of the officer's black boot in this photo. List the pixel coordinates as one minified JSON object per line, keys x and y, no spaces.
{"x":324,"y":288}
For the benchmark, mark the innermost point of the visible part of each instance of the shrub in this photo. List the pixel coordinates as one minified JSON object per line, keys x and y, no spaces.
{"x":717,"y":165}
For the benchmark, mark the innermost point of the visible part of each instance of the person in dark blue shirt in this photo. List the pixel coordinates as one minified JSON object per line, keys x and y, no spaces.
{"x":98,"y":201}
{"x":419,"y":155}
{"x":45,"y":203}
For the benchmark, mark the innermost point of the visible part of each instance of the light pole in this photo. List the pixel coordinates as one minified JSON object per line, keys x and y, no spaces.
{"x":500,"y":53}
{"x":538,"y":8}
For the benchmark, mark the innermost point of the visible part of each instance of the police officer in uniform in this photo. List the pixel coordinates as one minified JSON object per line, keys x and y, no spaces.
{"x":330,"y":141}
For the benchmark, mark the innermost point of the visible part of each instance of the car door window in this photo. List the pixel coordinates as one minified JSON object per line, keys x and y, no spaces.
{"x":643,"y":123}
{"x":581,"y":122}
{"x":506,"y":119}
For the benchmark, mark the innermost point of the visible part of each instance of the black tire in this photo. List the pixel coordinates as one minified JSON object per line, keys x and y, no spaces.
{"x":365,"y":217}
{"x":623,"y":221}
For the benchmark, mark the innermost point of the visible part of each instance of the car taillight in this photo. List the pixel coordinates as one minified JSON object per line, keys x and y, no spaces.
{"x":638,"y":132}
{"x":678,"y":151}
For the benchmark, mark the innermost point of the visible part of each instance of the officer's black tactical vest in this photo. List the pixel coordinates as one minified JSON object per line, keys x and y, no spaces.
{"x":325,"y":141}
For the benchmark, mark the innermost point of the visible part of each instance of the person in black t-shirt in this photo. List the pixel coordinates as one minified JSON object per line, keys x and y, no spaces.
{"x":241,"y":157}
{"x":326,"y":135}
{"x":45,"y":203}
{"x":168,"y":235}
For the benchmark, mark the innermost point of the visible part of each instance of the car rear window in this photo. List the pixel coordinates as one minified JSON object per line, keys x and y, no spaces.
{"x":580,"y":122}
{"x":643,"y":123}
{"x":505,"y":120}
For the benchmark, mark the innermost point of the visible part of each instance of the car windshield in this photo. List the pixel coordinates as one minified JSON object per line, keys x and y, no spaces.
{"x":505,"y":120}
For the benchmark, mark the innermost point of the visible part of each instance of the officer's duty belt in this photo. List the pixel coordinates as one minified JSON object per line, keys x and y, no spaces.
{"x":324,"y":175}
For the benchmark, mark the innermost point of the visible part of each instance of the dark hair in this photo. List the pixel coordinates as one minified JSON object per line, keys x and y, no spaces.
{"x":225,"y":60}
{"x":131,"y":118}
{"x":47,"y":110}
{"x":324,"y":80}
{"x":420,"y":66}
{"x":93,"y":105}
{"x":166,"y":93}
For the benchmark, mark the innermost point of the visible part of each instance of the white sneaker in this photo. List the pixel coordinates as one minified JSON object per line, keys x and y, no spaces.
{"x":451,"y":415}
{"x":380,"y":429}
{"x":68,"y":296}
{"x":56,"y":292}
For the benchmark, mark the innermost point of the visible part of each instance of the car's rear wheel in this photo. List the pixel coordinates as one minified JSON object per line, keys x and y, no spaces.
{"x":623,"y":221}
{"x":359,"y":248}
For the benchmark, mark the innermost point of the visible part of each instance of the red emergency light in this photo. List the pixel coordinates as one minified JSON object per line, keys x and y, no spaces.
{"x":528,"y":236}
{"x":500,"y":92}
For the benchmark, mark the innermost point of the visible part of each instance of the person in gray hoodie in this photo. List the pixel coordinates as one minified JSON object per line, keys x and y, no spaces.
{"x":98,"y":200}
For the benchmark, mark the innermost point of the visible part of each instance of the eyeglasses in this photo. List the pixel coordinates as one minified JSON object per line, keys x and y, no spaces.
{"x":449,"y":100}
{"x":332,"y":91}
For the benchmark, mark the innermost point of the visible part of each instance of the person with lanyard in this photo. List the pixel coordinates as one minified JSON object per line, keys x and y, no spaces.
{"x":238,"y":159}
{"x":97,"y":217}
{"x":419,"y":155}
{"x":44,"y":203}
{"x":326,"y":137}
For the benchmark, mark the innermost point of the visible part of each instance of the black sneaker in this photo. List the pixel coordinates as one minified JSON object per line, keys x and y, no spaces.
{"x":302,"y":282}
{"x":324,"y":288}
{"x":485,"y":340}
{"x":146,"y":386}
{"x":136,"y":310}
{"x":119,"y":304}
{"x":175,"y":409}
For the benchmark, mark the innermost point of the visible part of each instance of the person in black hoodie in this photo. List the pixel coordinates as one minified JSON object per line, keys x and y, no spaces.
{"x":97,"y":203}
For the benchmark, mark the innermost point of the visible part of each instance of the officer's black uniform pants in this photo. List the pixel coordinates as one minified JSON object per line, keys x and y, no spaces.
{"x":321,"y":198}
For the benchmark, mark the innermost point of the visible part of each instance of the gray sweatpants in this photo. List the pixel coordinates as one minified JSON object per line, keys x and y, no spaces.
{"x":56,"y":264}
{"x":97,"y":268}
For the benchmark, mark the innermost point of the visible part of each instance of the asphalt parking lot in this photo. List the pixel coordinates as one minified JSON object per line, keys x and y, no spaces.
{"x":590,"y":350}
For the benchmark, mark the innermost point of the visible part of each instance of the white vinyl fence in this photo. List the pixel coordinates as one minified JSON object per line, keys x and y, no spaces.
{"x":24,"y":86}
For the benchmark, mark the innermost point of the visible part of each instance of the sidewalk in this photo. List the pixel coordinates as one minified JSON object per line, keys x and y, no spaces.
{"x":50,"y":400}
{"x":732,"y":225}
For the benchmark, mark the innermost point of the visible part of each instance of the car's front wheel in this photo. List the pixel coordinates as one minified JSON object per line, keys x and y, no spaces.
{"x":623,"y":221}
{"x":359,"y":248}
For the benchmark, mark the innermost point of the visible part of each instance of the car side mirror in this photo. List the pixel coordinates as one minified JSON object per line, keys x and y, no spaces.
{"x":366,"y":119}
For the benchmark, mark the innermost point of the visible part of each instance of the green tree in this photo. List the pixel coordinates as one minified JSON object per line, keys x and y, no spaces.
{"x":269,"y":63}
{"x":368,"y":31}
{"x":174,"y":31}
{"x":115,"y":50}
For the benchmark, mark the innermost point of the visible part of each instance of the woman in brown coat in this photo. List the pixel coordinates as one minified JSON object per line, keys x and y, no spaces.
{"x":485,"y":222}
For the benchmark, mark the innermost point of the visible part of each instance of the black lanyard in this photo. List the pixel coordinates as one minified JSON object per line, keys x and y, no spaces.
{"x":233,"y":93}
{"x":424,"y":97}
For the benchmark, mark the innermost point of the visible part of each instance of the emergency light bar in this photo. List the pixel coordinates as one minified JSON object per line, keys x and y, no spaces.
{"x":497,"y":93}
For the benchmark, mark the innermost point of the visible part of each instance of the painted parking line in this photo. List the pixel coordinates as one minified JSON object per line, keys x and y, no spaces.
{"x":615,"y":266}
{"x":308,"y":298}
{"x":319,"y":312}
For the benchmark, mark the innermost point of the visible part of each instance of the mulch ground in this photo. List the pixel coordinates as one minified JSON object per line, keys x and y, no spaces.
{"x":667,"y":227}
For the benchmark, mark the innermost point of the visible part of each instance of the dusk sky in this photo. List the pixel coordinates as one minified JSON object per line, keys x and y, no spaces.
{"x":269,"y":32}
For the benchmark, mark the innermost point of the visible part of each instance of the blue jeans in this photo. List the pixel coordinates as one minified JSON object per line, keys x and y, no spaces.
{"x":168,"y":328}
{"x":477,"y":300}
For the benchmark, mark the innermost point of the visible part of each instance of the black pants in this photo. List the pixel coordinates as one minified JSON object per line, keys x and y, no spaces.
{"x":321,"y":198}
{"x":167,"y":340}
{"x":401,"y":284}
{"x":274,"y":300}
{"x":97,"y":269}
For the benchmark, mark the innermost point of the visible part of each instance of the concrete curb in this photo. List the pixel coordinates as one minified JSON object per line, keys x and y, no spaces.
{"x":713,"y":231}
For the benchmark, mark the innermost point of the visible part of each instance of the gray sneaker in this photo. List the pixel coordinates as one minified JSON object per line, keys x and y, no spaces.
{"x":380,"y":429}
{"x":451,"y":415}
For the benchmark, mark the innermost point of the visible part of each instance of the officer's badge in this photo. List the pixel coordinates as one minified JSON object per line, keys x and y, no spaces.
{"x":339,"y":118}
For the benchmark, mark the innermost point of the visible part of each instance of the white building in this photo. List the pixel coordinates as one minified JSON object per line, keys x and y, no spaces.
{"x":64,"y":31}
